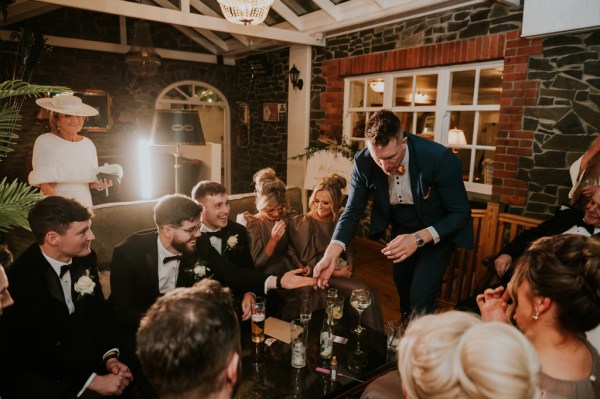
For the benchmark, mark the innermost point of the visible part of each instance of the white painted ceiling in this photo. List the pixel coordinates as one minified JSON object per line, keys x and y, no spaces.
{"x":308,"y":22}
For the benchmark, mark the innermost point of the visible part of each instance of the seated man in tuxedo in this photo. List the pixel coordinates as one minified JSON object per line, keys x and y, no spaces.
{"x":5,"y":298}
{"x":222,"y":235}
{"x":56,"y":338}
{"x":202,"y":359}
{"x":152,"y":262}
{"x":565,"y":221}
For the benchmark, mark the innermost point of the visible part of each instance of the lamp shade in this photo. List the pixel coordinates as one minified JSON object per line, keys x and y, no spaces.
{"x":456,"y":136}
{"x":177,"y":127}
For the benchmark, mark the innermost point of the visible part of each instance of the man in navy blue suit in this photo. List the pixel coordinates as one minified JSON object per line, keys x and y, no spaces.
{"x":418,"y":189}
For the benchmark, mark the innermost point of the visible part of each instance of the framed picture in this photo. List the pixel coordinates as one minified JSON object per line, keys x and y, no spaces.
{"x":102,"y":101}
{"x":270,"y":112}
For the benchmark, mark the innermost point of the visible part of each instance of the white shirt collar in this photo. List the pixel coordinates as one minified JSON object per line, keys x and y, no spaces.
{"x":56,"y":265}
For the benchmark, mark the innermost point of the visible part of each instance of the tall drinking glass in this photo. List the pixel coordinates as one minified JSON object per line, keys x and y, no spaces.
{"x":298,"y":334}
{"x":259,"y":310}
{"x":360,"y":300}
{"x":305,"y":310}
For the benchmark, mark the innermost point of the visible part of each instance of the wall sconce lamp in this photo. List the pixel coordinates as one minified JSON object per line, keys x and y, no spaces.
{"x":294,"y":75}
{"x":456,"y":137}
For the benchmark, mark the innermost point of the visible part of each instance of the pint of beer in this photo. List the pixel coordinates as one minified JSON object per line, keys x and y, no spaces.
{"x":259,"y":309}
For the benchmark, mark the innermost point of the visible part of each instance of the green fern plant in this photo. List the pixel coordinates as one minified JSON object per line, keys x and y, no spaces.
{"x":16,"y":198}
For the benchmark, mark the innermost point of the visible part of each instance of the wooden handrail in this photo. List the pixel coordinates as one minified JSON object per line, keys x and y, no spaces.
{"x":492,"y":230}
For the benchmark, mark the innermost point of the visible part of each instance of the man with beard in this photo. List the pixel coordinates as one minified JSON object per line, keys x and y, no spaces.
{"x":56,"y":341}
{"x":152,"y":262}
{"x":201,"y":360}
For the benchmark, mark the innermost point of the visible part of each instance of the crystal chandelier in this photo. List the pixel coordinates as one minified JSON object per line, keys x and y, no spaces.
{"x":142,"y":59}
{"x":245,"y":12}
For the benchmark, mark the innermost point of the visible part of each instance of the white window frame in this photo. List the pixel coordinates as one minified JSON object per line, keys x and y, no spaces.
{"x":442,"y":108}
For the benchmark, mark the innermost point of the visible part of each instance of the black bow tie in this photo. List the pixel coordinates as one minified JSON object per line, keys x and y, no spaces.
{"x":218,"y":234}
{"x":588,"y":227}
{"x":174,"y":257}
{"x":63,"y":270}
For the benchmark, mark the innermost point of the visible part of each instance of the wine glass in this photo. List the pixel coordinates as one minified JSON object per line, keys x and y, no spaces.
{"x":360,"y":300}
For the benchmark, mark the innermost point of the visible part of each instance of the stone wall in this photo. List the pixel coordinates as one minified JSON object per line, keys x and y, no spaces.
{"x":565,"y":118}
{"x":259,"y":80}
{"x":549,"y":90}
{"x":132,"y":110}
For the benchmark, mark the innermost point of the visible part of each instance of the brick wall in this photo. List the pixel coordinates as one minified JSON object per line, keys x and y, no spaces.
{"x":530,"y":170}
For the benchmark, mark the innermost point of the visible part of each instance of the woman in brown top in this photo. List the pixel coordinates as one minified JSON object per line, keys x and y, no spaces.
{"x":311,"y":233}
{"x":268,"y":238}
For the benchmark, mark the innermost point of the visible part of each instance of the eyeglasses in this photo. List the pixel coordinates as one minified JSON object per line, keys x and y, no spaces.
{"x":191,"y":231}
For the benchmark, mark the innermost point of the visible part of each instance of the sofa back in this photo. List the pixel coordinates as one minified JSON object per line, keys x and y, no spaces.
{"x":114,"y":222}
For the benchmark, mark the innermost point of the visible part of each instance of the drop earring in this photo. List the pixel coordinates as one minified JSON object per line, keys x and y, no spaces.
{"x":536,"y":316}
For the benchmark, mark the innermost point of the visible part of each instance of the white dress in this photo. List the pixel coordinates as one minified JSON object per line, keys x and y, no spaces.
{"x":71,"y":165}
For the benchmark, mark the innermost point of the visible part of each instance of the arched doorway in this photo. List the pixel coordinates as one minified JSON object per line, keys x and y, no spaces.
{"x":214,"y":112}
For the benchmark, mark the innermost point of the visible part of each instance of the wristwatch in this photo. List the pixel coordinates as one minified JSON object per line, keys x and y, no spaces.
{"x":420,"y":240}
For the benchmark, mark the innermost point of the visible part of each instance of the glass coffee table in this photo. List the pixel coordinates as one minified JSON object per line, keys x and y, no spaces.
{"x":267,"y":372}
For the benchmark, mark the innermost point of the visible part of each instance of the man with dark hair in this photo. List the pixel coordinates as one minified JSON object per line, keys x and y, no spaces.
{"x":189,"y":343}
{"x":222,"y":236}
{"x":418,"y":189}
{"x":226,"y":236}
{"x":56,"y":341}
{"x":153,"y":262}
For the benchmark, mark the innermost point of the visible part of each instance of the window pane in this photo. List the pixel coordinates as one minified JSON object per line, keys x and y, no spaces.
{"x":465,"y":157}
{"x":488,"y":126}
{"x":358,"y":124}
{"x":375,"y":92}
{"x":403,"y":91}
{"x":484,"y":166}
{"x":425,"y":122}
{"x":406,"y":118}
{"x":462,"y":121}
{"x":462,"y":87}
{"x":426,"y":90}
{"x":357,"y":92}
{"x":490,"y":86}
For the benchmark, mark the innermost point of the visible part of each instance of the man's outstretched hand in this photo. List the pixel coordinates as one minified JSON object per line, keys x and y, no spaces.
{"x":323,"y":270}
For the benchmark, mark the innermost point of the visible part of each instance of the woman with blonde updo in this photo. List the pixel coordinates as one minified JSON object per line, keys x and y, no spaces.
{"x":456,"y":355}
{"x":268,"y":236}
{"x":311,"y":233}
{"x":555,"y":294}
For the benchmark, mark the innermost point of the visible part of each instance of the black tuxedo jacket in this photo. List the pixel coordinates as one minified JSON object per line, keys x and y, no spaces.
{"x":134,"y":281}
{"x":562,"y":221}
{"x":240,"y":254}
{"x":42,"y":343}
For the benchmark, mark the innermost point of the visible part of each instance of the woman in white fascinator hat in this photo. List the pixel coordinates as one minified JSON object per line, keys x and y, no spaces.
{"x":65,"y":163}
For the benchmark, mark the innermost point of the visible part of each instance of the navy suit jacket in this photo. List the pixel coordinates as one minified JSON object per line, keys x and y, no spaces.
{"x":41,"y":341}
{"x":439,"y":194}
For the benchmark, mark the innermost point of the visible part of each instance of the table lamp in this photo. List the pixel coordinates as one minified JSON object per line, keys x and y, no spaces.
{"x":456,"y":136}
{"x":176,"y":127}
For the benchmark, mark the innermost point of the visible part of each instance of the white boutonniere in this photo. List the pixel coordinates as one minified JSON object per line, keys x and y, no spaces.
{"x":232,"y":241}
{"x":199,"y":270}
{"x":85,"y":285}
